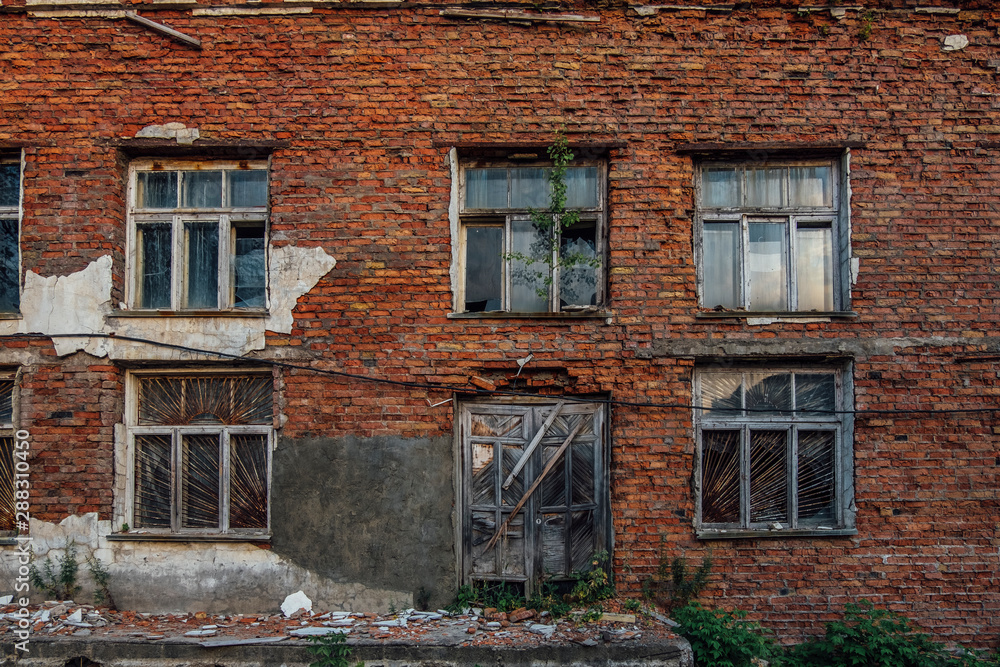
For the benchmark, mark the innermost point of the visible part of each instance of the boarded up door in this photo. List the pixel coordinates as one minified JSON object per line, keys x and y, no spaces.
{"x":564,"y":522}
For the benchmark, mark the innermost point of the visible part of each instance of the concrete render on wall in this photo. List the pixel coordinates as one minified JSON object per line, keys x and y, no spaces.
{"x":81,"y":303}
{"x":216,"y":577}
{"x":378,"y":511}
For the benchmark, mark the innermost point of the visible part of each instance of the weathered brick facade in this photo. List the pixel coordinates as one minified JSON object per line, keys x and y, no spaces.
{"x":362,"y":109}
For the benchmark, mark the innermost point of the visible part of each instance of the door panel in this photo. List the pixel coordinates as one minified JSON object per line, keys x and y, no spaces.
{"x":563,"y":522}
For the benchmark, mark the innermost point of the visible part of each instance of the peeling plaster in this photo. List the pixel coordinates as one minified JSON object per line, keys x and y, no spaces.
{"x":217,"y":577}
{"x":81,"y":303}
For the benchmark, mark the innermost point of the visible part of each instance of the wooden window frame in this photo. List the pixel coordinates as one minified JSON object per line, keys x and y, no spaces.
{"x":228,"y":219}
{"x":793,"y":217}
{"x":8,"y":433}
{"x":841,"y":424}
{"x":505,"y":217}
{"x":176,"y":434}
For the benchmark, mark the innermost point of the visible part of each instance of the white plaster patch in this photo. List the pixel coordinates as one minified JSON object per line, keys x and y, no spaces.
{"x":197,"y":576}
{"x":80,"y":303}
{"x":855,"y":269}
{"x":955,"y":43}
{"x":293,"y":272}
{"x":177,"y":131}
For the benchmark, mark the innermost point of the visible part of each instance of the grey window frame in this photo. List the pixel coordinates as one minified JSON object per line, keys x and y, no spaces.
{"x":16,"y":213}
{"x":176,"y":433}
{"x":793,"y":217}
{"x":228,"y":219}
{"x":505,"y":217}
{"x":841,"y":424}
{"x":8,"y":432}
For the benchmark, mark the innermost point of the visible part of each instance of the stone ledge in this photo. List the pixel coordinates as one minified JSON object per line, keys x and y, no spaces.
{"x":47,"y":652}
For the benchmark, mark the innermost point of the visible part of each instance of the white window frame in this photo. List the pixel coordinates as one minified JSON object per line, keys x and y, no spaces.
{"x":841,"y":424}
{"x":228,"y":219}
{"x":837,"y":215}
{"x":505,"y":217}
{"x":16,"y":212}
{"x":176,"y":432}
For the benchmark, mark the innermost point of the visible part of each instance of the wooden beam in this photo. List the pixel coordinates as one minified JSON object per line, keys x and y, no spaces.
{"x":538,"y":481}
{"x":534,"y":443}
{"x":163,"y":30}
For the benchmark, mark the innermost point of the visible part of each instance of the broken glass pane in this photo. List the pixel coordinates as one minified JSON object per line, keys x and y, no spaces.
{"x":529,"y":187}
{"x":486,"y":188}
{"x":7,"y":515}
{"x":816,"y":477}
{"x":200,"y":471}
{"x":768,"y":476}
{"x":152,"y":481}
{"x":178,"y":401}
{"x":720,"y":187}
{"x":248,"y":481}
{"x":248,"y":267}
{"x":155,"y":251}
{"x":722,"y":265}
{"x":577,"y":256}
{"x":10,"y":293}
{"x":202,"y":189}
{"x":720,"y":476}
{"x":247,"y":188}
{"x":10,"y":184}
{"x":156,"y":189}
{"x":202,"y":240}
{"x":483,"y":268}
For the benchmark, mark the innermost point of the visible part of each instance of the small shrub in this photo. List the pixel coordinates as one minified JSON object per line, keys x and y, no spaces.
{"x":593,"y":585}
{"x":548,"y":599}
{"x":330,"y":650}
{"x":60,"y":584}
{"x":99,"y":572}
{"x":872,"y":637}
{"x":723,"y":639}
{"x":672,"y":586}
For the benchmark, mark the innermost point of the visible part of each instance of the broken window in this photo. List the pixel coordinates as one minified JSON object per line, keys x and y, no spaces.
{"x":10,"y":216}
{"x":771,"y":236}
{"x":199,"y":235}
{"x":503,"y":259}
{"x":774,"y":450}
{"x":8,"y":457}
{"x":535,"y":490}
{"x":201,"y":447}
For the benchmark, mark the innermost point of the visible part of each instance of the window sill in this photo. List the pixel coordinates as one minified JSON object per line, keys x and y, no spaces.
{"x":181,"y":537}
{"x":11,"y":316}
{"x":189,"y":313}
{"x":735,"y":534}
{"x":8,"y":541}
{"x":776,"y":315}
{"x":504,"y":315}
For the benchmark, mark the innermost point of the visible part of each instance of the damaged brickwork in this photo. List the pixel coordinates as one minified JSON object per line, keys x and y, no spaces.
{"x":372,"y":124}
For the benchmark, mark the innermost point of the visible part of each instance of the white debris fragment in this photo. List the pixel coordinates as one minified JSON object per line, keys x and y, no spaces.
{"x":315,"y":632}
{"x":76,"y":616}
{"x":295,"y":602}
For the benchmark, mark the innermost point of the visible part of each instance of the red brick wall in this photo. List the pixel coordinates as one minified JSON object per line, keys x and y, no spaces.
{"x":369,"y":101}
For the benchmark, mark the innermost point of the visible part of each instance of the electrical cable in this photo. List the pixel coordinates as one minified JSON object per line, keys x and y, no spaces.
{"x":464,"y":389}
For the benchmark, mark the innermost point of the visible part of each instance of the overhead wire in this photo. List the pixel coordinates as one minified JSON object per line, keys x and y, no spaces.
{"x":476,"y":391}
